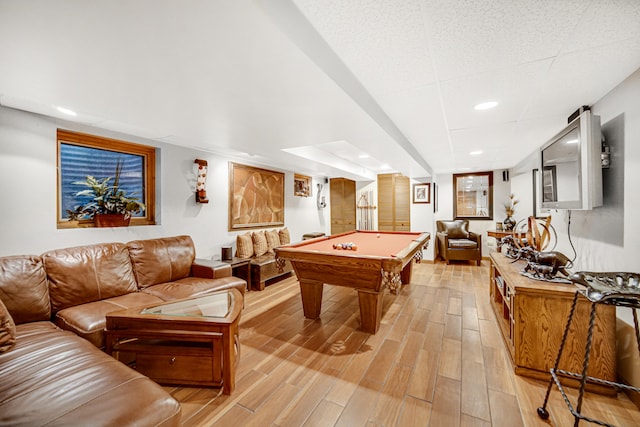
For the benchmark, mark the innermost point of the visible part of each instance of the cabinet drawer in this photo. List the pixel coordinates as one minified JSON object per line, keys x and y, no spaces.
{"x":174,"y":367}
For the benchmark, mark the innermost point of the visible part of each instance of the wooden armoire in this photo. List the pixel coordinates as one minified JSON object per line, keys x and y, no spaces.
{"x":394,"y":202}
{"x":343,"y":205}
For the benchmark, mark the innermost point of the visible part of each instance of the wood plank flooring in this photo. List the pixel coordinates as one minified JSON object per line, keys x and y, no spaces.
{"x":437,"y":360}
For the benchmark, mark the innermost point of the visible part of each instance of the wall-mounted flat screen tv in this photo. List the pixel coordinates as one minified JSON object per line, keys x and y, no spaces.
{"x":571,"y":167}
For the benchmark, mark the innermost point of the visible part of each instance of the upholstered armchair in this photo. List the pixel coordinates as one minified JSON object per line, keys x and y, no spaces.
{"x":456,"y":242}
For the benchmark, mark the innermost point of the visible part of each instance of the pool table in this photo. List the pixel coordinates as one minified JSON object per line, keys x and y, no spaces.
{"x":381,"y":260}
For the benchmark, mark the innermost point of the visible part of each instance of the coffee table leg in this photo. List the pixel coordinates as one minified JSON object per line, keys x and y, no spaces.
{"x":108,"y":344}
{"x":229,"y":360}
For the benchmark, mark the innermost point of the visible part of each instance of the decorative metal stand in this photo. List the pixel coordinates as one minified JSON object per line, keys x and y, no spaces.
{"x":619,"y":289}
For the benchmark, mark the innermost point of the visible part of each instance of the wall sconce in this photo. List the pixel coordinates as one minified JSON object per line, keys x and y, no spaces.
{"x":321,"y":201}
{"x":201,"y":192}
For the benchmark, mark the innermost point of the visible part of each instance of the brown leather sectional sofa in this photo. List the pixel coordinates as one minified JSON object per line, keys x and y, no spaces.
{"x":54,"y":372}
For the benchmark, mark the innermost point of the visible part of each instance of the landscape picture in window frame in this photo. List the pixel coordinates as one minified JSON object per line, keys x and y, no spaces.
{"x":98,"y":157}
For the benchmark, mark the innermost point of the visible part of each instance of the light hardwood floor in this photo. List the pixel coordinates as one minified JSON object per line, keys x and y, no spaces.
{"x":437,"y":360}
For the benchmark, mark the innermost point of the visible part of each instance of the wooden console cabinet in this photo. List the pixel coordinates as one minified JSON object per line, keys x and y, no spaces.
{"x":532,"y":316}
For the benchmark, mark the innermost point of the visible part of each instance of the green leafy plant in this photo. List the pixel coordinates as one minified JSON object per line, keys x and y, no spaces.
{"x":106,"y":198}
{"x":510,"y":205}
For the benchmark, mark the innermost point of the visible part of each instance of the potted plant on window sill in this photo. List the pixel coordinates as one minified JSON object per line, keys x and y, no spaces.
{"x":110,"y":206}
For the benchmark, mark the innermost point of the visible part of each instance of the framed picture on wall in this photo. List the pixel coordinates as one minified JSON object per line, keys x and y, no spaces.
{"x":256,"y":197}
{"x":422,"y":193}
{"x":301,"y":185}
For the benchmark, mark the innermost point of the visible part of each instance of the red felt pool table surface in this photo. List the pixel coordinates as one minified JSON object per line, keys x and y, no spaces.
{"x":382,"y":260}
{"x":371,"y":243}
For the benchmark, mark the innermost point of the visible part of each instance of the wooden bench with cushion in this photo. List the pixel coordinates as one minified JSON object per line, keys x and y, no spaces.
{"x":258,"y":246}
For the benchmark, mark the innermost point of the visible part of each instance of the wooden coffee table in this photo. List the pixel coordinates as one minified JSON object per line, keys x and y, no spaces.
{"x":190,"y":342}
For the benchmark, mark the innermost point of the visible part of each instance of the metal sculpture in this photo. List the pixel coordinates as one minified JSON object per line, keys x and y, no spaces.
{"x":545,"y":265}
{"x":537,"y":234}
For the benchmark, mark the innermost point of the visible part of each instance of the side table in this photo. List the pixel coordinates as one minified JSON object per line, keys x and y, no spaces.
{"x":240,"y":268}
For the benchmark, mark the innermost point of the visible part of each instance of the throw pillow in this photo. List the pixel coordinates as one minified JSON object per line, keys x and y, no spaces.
{"x":457,"y":229}
{"x":7,"y":329}
{"x":260,"y":246}
{"x":273,"y":240}
{"x":244,"y":246}
{"x":285,"y":239}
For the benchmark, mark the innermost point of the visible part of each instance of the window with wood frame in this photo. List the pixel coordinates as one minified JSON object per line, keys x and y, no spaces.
{"x":81,"y":155}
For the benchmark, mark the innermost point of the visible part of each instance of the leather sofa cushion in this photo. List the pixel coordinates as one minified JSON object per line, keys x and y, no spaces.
{"x":52,"y":377}
{"x":89,"y":321}
{"x":7,"y":329}
{"x":456,"y":229}
{"x":24,"y":288}
{"x":88,"y":273}
{"x":190,"y":287}
{"x":161,"y":260}
{"x":209,"y":269}
{"x":462,"y":244}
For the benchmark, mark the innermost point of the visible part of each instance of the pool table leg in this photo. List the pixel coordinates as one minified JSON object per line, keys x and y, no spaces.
{"x":311,"y":292}
{"x":370,"y":310}
{"x":406,"y":273}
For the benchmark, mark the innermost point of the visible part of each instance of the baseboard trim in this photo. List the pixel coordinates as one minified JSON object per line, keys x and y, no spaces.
{"x":633,"y":396}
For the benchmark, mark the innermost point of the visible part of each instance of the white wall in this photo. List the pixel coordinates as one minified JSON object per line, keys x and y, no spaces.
{"x":422,"y":218}
{"x":28,"y":193}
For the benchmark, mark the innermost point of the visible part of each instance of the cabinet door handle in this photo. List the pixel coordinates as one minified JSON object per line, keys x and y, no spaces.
{"x":172,"y":360}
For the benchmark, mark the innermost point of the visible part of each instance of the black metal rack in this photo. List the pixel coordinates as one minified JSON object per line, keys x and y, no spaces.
{"x":619,"y":289}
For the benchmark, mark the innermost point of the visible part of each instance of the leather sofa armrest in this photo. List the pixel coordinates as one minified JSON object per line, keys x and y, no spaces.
{"x":477,"y":237}
{"x":443,"y":237}
{"x":208,"y":269}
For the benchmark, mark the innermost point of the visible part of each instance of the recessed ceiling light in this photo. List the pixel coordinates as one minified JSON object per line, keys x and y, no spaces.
{"x":485,"y":105}
{"x":363,"y":156}
{"x":475,"y":153}
{"x":572,"y":141}
{"x":66,"y":111}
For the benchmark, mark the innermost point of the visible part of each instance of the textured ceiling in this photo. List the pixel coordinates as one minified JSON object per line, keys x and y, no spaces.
{"x":326,"y":80}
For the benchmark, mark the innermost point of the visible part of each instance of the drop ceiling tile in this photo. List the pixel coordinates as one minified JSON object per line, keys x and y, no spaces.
{"x":499,"y":145}
{"x":473,"y":36}
{"x":605,"y":22}
{"x":382,"y":42}
{"x":418,"y":114}
{"x":513,"y":88}
{"x":582,"y":78}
